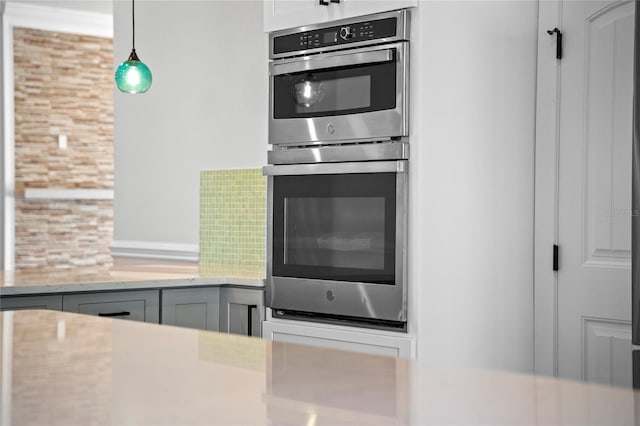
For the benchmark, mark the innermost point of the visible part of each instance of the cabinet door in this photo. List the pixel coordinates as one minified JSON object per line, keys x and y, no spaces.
{"x":351,"y":8}
{"x":241,"y":311}
{"x":140,"y":305}
{"x":339,"y":338}
{"x":192,"y":307}
{"x":31,"y":302}
{"x":281,"y":14}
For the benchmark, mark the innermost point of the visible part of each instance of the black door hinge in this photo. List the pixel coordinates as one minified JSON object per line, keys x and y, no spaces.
{"x":558,"y":34}
{"x":555,"y":257}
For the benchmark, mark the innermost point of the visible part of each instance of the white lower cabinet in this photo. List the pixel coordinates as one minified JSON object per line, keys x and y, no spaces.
{"x":192,"y":307}
{"x":140,"y":305}
{"x":31,"y":302}
{"x":338,"y":337}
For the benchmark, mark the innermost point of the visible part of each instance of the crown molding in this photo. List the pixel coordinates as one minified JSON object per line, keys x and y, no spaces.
{"x":58,"y":19}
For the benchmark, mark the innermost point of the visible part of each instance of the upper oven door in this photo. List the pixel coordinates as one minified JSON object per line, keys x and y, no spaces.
{"x":356,"y":95}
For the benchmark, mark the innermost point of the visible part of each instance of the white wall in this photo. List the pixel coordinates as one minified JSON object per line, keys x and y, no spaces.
{"x":471,"y":213}
{"x":205,"y":110}
{"x":472,"y":164}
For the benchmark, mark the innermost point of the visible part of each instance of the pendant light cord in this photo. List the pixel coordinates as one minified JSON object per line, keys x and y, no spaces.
{"x":133,"y":21}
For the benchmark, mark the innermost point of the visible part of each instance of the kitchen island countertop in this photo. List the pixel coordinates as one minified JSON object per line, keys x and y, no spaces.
{"x":62,"y":368}
{"x":127,"y":276}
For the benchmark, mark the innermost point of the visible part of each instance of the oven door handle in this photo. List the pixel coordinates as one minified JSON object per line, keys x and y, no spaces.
{"x":333,"y":61}
{"x":399,"y":166}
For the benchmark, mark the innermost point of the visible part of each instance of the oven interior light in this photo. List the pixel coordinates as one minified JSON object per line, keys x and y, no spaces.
{"x":308,"y":92}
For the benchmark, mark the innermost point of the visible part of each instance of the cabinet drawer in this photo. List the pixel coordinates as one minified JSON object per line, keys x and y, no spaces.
{"x":132,"y":305}
{"x":31,"y":302}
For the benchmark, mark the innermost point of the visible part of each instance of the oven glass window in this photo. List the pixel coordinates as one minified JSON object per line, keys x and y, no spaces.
{"x":336,"y":95}
{"x":339,"y":232}
{"x":335,"y":227}
{"x":335,"y":91}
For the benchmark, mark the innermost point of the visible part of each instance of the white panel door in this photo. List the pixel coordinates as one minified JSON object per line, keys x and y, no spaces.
{"x":594,"y":192}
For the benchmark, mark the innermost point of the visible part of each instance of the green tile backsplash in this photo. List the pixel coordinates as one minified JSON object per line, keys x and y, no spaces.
{"x":232,"y":223}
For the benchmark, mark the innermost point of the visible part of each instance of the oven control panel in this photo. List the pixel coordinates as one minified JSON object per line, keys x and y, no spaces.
{"x":336,"y":35}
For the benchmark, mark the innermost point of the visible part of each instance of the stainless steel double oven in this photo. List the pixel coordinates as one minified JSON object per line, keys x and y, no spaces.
{"x":337,"y":179}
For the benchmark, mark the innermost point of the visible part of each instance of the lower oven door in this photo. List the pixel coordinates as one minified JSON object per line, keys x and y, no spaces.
{"x":337,"y":239}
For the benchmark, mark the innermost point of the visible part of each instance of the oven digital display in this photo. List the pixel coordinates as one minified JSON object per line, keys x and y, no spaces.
{"x":330,"y":37}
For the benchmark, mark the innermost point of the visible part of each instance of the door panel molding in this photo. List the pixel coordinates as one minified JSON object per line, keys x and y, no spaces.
{"x":606,"y":348}
{"x":608,"y":74}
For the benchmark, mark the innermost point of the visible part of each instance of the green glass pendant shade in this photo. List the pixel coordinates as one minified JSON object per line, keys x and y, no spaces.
{"x":133,"y":76}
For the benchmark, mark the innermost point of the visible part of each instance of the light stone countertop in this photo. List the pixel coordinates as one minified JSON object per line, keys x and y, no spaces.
{"x":126,"y":276}
{"x":62,"y":368}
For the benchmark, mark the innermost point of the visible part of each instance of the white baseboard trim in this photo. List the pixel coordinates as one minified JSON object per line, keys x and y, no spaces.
{"x":154,"y":250}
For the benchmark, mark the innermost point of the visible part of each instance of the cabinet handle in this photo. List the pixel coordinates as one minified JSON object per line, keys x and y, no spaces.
{"x":250,"y":308}
{"x":114,"y":314}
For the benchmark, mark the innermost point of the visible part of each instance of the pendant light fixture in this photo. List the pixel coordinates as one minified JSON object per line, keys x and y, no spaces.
{"x":133,"y":76}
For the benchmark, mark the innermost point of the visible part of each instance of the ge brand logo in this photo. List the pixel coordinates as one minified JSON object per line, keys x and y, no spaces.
{"x":330,"y":295}
{"x":331,"y":129}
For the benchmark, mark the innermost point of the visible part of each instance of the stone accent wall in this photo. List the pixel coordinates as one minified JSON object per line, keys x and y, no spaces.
{"x":63,"y":233}
{"x":63,"y":86}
